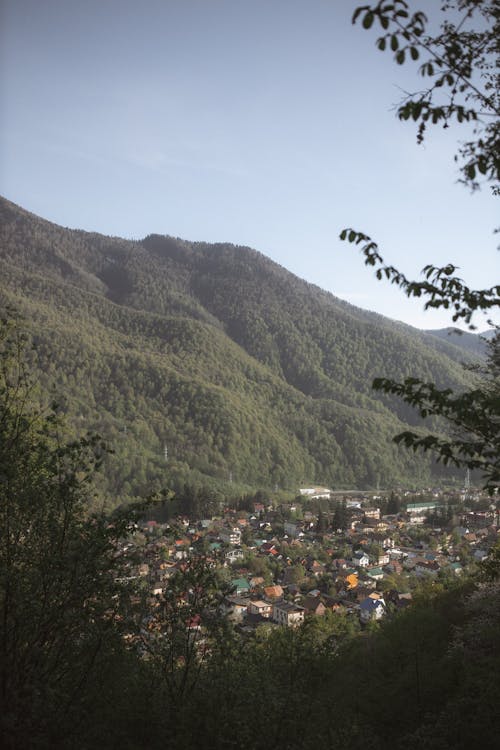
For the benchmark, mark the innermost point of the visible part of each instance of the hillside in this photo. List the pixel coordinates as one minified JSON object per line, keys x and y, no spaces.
{"x":240,"y":368}
{"x":473,"y":343}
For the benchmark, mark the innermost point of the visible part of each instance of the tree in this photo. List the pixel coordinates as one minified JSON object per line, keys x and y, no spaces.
{"x":183,"y":634}
{"x":60,"y":603}
{"x":460,"y":68}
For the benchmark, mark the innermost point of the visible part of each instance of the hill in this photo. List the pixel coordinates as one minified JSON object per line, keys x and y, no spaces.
{"x":473,"y":343}
{"x":236,"y":366}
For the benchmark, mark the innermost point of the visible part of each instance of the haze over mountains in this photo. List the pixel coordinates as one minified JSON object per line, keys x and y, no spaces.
{"x":242,"y":371}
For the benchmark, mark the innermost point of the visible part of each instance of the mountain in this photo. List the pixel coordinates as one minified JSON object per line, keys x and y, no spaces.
{"x":236,"y":366}
{"x":473,"y":343}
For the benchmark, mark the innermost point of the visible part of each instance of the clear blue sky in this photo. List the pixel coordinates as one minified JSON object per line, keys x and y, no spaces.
{"x":267,"y":123}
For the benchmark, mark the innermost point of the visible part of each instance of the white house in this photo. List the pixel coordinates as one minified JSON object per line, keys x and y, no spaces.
{"x":235,"y":554}
{"x":259,"y":607}
{"x":287,"y":613}
{"x":360,"y":559}
{"x":371,"y":609}
{"x":318,"y":492}
{"x":230,"y":535}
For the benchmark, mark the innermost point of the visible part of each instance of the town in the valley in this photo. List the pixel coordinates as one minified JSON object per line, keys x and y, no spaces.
{"x":358,"y":555}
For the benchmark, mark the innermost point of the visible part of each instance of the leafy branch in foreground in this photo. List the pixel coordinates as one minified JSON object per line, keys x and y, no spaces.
{"x":442,"y":288}
{"x":460,"y":67}
{"x":474,"y":415}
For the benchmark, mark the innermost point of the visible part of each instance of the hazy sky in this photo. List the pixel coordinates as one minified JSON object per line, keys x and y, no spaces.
{"x":267,"y":123}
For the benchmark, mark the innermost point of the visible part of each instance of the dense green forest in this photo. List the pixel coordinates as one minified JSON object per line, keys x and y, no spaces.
{"x":240,"y":369}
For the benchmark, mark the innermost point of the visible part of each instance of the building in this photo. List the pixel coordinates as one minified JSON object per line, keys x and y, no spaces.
{"x":230,"y":535}
{"x":288,"y":614}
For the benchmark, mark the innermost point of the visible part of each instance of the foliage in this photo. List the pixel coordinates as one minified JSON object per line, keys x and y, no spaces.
{"x":461,"y":64}
{"x":441,"y":287}
{"x":460,"y":67}
{"x":60,"y":604}
{"x":185,"y":627}
{"x":475,"y":414}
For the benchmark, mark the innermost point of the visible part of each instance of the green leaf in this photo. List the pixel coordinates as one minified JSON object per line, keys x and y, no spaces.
{"x":470,"y":171}
{"x":481,"y":165}
{"x":414,"y":53}
{"x":357,"y":12}
{"x":394,"y":42}
{"x":400,"y":57}
{"x":368,"y":20}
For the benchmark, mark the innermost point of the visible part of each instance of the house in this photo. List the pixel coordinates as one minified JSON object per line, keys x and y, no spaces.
{"x":240,"y":585}
{"x":360,"y":559}
{"x":418,"y":511}
{"x":346,"y":581}
{"x":260,"y":607}
{"x":371,"y":609}
{"x":230,"y":535}
{"x":316,"y":492}
{"x":235,"y":607}
{"x":314,"y":605}
{"x":427,"y":567}
{"x":268,"y":548}
{"x":295,"y":529}
{"x":375,"y":573}
{"x":273,"y":592}
{"x":235,"y":554}
{"x":287,"y":613}
{"x":351,"y":581}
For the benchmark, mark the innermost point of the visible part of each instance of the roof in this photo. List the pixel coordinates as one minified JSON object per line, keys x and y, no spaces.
{"x":240,"y":583}
{"x":421,"y":506}
{"x":370,"y":604}
{"x":273,"y":592}
{"x":312,"y":603}
{"x":289,"y":607}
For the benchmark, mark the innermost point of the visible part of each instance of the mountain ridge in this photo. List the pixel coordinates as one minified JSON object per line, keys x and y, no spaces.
{"x":244,"y":369}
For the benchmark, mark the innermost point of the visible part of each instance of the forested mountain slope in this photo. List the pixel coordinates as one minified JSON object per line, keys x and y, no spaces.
{"x":240,"y":368}
{"x":473,"y":343}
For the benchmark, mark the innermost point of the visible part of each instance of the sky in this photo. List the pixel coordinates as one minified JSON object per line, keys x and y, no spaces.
{"x":264,"y":123}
